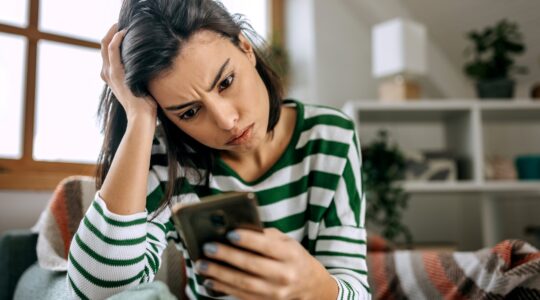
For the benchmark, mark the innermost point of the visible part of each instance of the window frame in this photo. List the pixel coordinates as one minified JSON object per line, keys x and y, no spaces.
{"x":28,"y":174}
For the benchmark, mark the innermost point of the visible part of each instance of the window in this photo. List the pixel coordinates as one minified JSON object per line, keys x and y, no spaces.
{"x":49,"y":82}
{"x":255,"y":11}
{"x":12,"y":58}
{"x":64,"y":97}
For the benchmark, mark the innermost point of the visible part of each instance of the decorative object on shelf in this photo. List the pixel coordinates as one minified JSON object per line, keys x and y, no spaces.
{"x":499,"y":168}
{"x":535,"y":91}
{"x":528,"y":167}
{"x":399,"y":57}
{"x":534,"y":231}
{"x":492,"y":60}
{"x":426,"y":166}
{"x":383,"y":165}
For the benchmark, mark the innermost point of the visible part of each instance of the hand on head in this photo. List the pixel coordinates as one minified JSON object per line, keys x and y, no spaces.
{"x":112,"y":72}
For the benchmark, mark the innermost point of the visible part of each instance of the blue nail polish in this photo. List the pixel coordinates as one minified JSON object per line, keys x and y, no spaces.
{"x":202,"y":266}
{"x":208,"y":283}
{"x":233,"y":236}
{"x":210,"y":248}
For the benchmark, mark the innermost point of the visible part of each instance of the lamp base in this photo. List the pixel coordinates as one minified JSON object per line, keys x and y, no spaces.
{"x":398,"y":89}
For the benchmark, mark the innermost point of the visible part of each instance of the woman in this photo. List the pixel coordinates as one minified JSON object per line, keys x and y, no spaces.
{"x":188,"y":66}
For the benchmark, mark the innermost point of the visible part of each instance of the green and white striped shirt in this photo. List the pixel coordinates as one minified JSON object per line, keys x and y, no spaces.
{"x":313,"y":193}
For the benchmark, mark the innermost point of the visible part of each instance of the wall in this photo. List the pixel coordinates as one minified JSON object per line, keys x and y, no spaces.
{"x":330,"y":47}
{"x":20,"y":209}
{"x":328,"y":53}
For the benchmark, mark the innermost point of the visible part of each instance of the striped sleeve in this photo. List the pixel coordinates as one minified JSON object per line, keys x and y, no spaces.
{"x":341,"y":242}
{"x":110,"y":253}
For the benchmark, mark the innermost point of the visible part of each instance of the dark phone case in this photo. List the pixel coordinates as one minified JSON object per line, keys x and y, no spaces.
{"x":196,"y":223}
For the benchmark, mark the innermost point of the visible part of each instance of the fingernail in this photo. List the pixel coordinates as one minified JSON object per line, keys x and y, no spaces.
{"x":210,"y":248}
{"x":233,"y":236}
{"x":208,"y":283}
{"x":202,"y":266}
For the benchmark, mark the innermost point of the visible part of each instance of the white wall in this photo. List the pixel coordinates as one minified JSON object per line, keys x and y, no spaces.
{"x":343,"y":56}
{"x":300,"y":41}
{"x":330,"y":47}
{"x":329,"y":55}
{"x":21,"y":209}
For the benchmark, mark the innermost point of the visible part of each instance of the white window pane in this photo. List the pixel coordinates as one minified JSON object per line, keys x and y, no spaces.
{"x":12,"y":66}
{"x":14,"y":12}
{"x":88,"y":20}
{"x":256,"y":11}
{"x":67,"y":97}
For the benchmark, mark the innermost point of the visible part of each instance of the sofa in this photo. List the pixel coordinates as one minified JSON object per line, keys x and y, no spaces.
{"x":34,"y":259}
{"x":23,"y":278}
{"x":511,"y":269}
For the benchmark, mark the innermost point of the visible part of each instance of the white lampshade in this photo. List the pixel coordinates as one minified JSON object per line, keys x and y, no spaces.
{"x":398,"y":47}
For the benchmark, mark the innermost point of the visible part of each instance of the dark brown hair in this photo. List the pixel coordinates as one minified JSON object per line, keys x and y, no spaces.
{"x":156,"y":32}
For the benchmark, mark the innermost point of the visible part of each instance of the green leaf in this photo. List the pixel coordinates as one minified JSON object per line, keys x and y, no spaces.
{"x":494,"y":48}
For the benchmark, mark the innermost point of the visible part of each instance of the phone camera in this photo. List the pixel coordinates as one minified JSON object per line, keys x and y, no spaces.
{"x":218,"y":219}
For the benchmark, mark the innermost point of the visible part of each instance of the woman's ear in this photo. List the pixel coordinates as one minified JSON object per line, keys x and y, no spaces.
{"x":247,"y":48}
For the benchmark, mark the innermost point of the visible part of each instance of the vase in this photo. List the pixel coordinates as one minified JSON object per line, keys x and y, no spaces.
{"x":502,"y":88}
{"x":528,"y":166}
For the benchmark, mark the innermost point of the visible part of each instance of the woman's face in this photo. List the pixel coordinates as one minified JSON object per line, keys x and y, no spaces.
{"x":214,"y":94}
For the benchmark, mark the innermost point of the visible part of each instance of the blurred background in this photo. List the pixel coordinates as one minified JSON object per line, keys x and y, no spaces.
{"x":444,"y":95}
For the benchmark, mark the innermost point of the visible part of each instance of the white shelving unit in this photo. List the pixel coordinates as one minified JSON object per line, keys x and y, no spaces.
{"x":470,"y":130}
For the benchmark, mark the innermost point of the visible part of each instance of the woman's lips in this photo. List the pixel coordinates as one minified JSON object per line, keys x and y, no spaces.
{"x":243,"y":137}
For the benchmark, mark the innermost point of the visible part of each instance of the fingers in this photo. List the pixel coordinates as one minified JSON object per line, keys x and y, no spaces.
{"x":112,"y":72}
{"x":114,"y":50}
{"x":230,"y":290}
{"x":105,"y":50}
{"x":251,"y":263}
{"x":110,"y":54}
{"x":106,"y":40}
{"x":267,"y":244}
{"x":239,"y":281}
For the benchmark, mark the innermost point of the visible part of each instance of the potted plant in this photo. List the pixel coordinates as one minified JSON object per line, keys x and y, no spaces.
{"x":383,"y":165}
{"x":278,"y":59}
{"x":492,"y":59}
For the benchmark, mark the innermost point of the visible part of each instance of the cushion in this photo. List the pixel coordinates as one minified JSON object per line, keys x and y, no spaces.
{"x":60,"y":220}
{"x":38,"y":283}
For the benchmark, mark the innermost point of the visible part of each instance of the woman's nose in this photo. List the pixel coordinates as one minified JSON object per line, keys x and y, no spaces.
{"x":224,"y":113}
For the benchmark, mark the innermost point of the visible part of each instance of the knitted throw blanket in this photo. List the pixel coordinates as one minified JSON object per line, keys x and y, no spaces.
{"x":58,"y":224}
{"x":60,"y":220}
{"x":510,"y":270}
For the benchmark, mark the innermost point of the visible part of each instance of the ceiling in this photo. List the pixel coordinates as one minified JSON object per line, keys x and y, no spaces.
{"x":447,"y":23}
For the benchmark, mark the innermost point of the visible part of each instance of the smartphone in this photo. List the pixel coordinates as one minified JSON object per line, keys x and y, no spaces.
{"x":212,"y":218}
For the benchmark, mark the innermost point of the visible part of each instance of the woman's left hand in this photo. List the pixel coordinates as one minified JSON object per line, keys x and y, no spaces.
{"x":275,"y":267}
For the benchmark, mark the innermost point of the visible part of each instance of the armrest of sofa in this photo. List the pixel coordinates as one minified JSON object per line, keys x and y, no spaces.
{"x":17,"y":253}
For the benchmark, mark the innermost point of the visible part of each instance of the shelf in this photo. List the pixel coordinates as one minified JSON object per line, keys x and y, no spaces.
{"x":417,"y":111}
{"x":440,"y":187}
{"x":410,"y":105}
{"x":473,"y":187}
{"x":511,"y":186}
{"x":470,"y":129}
{"x":438,"y":105}
{"x":523,"y":104}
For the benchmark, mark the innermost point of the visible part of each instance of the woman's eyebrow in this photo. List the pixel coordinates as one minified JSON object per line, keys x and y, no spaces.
{"x":212,"y":86}
{"x":218,"y":75}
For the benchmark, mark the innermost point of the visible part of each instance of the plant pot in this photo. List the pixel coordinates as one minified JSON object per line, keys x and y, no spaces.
{"x":495,"y":88}
{"x":528,"y":166}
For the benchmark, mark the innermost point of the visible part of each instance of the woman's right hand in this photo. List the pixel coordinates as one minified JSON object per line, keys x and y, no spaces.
{"x":112,"y":72}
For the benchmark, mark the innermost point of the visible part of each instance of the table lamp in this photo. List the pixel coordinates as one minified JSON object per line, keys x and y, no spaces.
{"x":399,"y":57}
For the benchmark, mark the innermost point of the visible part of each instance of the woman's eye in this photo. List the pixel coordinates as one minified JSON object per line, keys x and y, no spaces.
{"x":190,"y":113}
{"x":226,"y":82}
